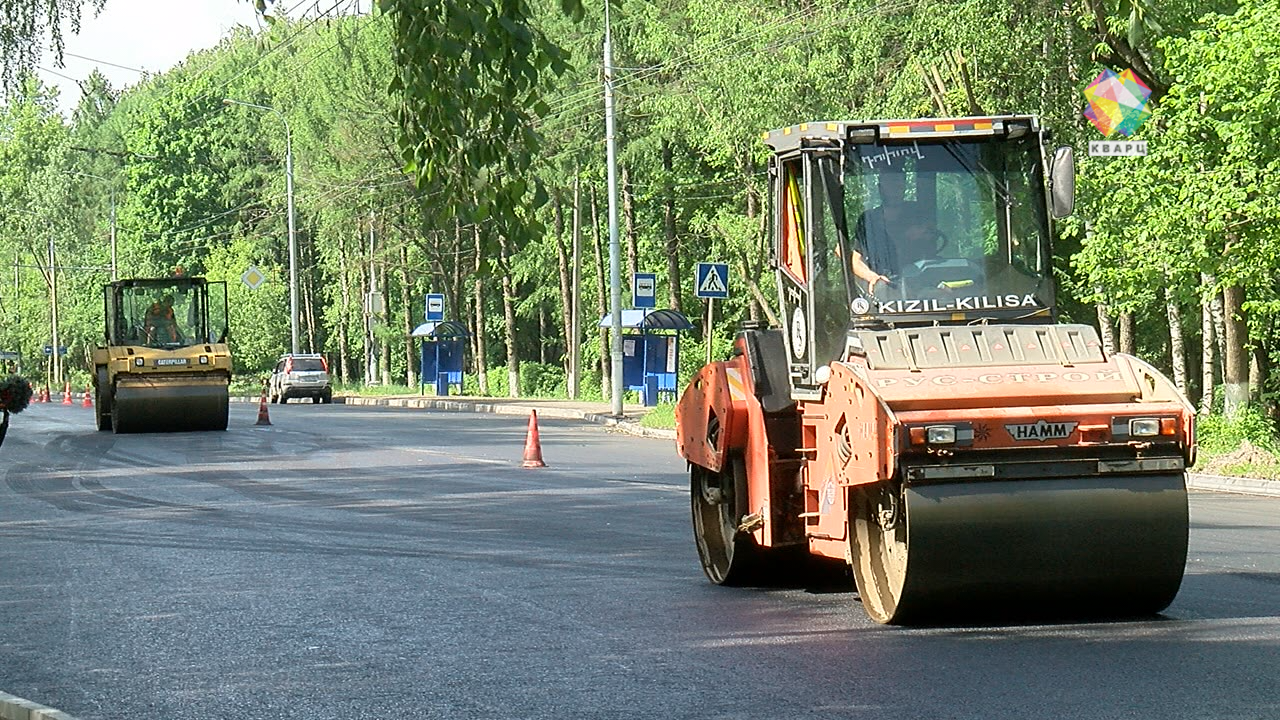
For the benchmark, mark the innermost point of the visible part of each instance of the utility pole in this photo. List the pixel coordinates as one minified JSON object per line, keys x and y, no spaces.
{"x":371,"y":310}
{"x":56,"y":364}
{"x":615,"y":253}
{"x":575,"y":331}
{"x":114,"y":276}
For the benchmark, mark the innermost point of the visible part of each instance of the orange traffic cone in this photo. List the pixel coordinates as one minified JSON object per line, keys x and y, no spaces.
{"x":88,"y":397}
{"x":66,"y":395}
{"x":533,"y":446}
{"x":43,"y":395}
{"x":263,"y":417}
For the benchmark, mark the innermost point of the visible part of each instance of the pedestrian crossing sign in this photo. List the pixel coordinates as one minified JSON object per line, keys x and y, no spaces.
{"x":712,"y":280}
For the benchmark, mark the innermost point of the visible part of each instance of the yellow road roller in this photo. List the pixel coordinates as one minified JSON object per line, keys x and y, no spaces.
{"x":164,"y":365}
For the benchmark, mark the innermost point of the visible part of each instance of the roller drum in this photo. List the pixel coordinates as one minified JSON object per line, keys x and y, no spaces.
{"x":1073,"y":546}
{"x":170,"y":405}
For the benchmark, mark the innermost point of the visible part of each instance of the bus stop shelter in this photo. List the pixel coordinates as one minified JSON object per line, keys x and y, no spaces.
{"x":444,"y":345}
{"x":650,"y":351}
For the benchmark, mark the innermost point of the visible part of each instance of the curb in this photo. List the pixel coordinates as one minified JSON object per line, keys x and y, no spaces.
{"x":1234,"y":485}
{"x":13,"y":707}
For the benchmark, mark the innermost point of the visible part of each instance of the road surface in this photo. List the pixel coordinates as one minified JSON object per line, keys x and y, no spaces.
{"x":374,"y":563}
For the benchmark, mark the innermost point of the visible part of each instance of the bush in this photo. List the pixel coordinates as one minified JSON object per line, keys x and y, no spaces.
{"x":1217,"y":434}
{"x":539,"y":380}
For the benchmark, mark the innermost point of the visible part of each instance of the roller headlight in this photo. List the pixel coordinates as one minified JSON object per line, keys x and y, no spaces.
{"x":1144,"y":427}
{"x":940,"y":435}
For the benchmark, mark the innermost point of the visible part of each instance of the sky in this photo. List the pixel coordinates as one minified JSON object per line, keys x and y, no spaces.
{"x":151,"y":35}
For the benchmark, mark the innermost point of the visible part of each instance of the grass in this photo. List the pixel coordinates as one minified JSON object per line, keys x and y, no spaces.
{"x":662,"y":417}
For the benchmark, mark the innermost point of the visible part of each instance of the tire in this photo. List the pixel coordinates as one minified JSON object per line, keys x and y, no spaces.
{"x":327,"y":397}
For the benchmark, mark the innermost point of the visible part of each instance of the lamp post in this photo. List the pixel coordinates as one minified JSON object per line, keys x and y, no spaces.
{"x":113,"y":217}
{"x":293,"y":243}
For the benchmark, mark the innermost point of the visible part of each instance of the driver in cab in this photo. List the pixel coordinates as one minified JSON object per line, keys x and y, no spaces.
{"x":160,"y":324}
{"x":893,"y":235}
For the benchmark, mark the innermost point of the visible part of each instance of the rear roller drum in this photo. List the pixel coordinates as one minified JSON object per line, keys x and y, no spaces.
{"x":719,"y":502}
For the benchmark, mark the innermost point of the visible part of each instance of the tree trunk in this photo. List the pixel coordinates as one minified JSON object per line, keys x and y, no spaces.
{"x":509,"y":313}
{"x":573,"y":296}
{"x":1126,"y":333}
{"x":544,"y":337}
{"x":629,"y":225}
{"x":606,"y":385}
{"x":457,"y":287}
{"x":669,"y":227}
{"x":1104,"y":329}
{"x":305,"y":289}
{"x":344,"y":316}
{"x":757,"y":304}
{"x":1176,"y":346}
{"x":1208,"y":346}
{"x":1235,"y":366}
{"x":482,"y":363}
{"x":385,"y":288}
{"x":410,"y":359}
{"x":562,"y":264}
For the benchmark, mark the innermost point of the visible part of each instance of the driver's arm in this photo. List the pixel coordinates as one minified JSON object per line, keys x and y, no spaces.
{"x":863,"y":272}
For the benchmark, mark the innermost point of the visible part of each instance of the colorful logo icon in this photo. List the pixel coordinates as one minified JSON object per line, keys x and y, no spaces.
{"x":1117,"y":102}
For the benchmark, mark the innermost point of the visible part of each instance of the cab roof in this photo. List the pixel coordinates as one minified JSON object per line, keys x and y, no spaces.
{"x":837,"y":132}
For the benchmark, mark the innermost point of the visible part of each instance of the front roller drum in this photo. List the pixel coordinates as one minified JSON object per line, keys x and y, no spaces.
{"x":149,"y":405}
{"x":1065,"y":547}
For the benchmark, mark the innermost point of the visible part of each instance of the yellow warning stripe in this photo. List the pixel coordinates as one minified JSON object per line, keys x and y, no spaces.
{"x":737,"y":390}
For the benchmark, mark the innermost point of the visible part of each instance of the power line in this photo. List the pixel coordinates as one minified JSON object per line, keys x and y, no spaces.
{"x":105,"y":62}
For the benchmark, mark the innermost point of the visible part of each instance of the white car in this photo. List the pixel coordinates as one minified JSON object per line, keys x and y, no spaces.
{"x":300,"y":376}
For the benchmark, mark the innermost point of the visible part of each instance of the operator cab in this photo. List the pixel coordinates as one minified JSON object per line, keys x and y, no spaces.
{"x":167,"y":313}
{"x":891,"y":225}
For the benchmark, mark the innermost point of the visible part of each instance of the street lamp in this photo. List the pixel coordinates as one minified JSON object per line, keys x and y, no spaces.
{"x":113,"y":216}
{"x":293,"y":244}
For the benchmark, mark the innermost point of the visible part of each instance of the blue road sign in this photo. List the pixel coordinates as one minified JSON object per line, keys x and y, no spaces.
{"x":644,"y":290}
{"x":711,"y":281}
{"x":48,"y":350}
{"x":435,"y":307}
